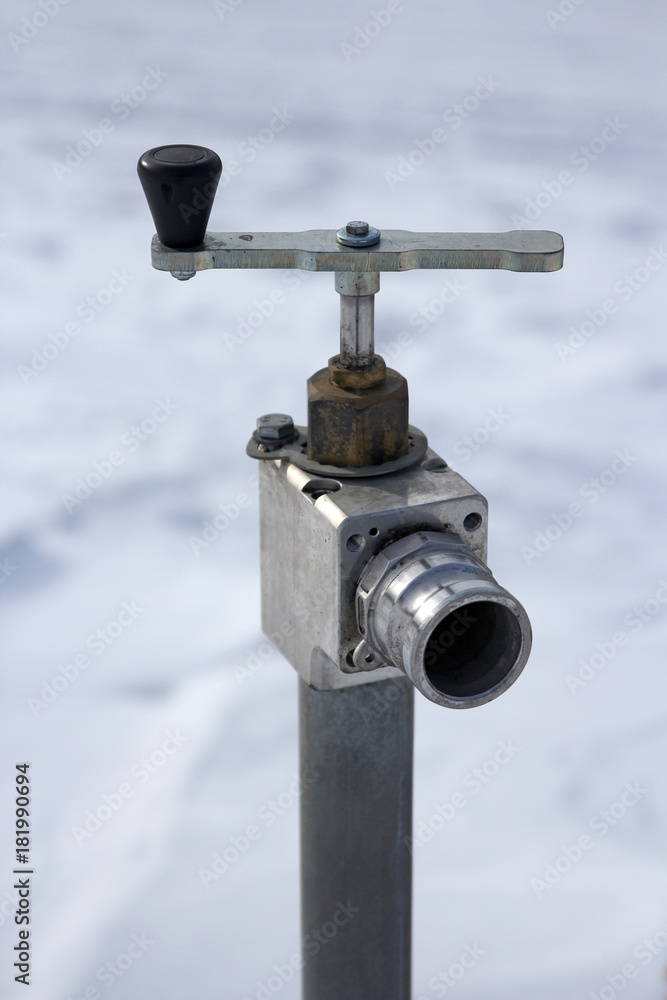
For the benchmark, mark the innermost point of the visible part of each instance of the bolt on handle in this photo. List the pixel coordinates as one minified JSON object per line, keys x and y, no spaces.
{"x":180,"y":183}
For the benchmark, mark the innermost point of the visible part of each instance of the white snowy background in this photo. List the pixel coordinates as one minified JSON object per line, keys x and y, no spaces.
{"x":358,"y":105}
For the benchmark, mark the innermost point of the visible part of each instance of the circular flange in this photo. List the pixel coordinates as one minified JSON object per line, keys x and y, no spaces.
{"x":296,"y":452}
{"x":365,"y":240}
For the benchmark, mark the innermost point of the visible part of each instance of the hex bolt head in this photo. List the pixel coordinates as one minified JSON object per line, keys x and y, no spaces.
{"x":275,"y":427}
{"x":357,"y":228}
{"x":358,"y":234}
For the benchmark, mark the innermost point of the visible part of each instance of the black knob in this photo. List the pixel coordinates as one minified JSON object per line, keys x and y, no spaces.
{"x":180,"y":184}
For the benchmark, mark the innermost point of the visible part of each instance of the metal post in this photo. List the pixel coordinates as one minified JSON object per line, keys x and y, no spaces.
{"x":356,"y":870}
{"x":357,"y":507}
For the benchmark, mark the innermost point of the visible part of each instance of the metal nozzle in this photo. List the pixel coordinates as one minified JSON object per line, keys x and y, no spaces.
{"x":428,"y":605}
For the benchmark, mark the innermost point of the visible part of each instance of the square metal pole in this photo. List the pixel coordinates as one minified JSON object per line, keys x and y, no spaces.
{"x":356,"y":753}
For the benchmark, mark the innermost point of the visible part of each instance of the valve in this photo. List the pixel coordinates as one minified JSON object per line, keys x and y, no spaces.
{"x":363,"y":525}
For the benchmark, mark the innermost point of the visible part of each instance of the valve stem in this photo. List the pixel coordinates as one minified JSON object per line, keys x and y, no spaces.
{"x":357,"y":317}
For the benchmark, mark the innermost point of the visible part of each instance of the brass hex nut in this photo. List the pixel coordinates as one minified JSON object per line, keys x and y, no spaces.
{"x":352,"y":426}
{"x":357,"y":378}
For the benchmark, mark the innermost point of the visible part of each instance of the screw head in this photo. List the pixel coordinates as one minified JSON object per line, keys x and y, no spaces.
{"x":358,"y":234}
{"x":275,"y":427}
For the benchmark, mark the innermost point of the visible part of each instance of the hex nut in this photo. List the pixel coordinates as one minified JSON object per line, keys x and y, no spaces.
{"x":357,"y":378}
{"x":357,"y":426}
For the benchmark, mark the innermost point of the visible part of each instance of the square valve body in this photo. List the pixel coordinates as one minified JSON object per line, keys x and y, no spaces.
{"x":317,"y":537}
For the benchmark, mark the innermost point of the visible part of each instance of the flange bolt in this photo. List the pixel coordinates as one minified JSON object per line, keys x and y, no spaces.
{"x":275,"y":427}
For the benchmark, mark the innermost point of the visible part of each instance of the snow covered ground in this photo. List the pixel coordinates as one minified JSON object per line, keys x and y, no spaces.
{"x":567,"y":131}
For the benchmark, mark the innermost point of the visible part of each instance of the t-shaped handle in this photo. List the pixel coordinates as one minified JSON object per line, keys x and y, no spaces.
{"x":395,"y":250}
{"x":180,"y":184}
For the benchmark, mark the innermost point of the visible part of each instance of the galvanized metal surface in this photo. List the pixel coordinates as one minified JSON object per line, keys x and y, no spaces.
{"x":318,"y":534}
{"x":357,"y":330}
{"x":356,"y":752}
{"x":357,"y":282}
{"x":357,"y":290}
{"x":397,"y":250}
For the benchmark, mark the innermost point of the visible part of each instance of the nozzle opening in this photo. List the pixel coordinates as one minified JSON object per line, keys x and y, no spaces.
{"x":473,"y":649}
